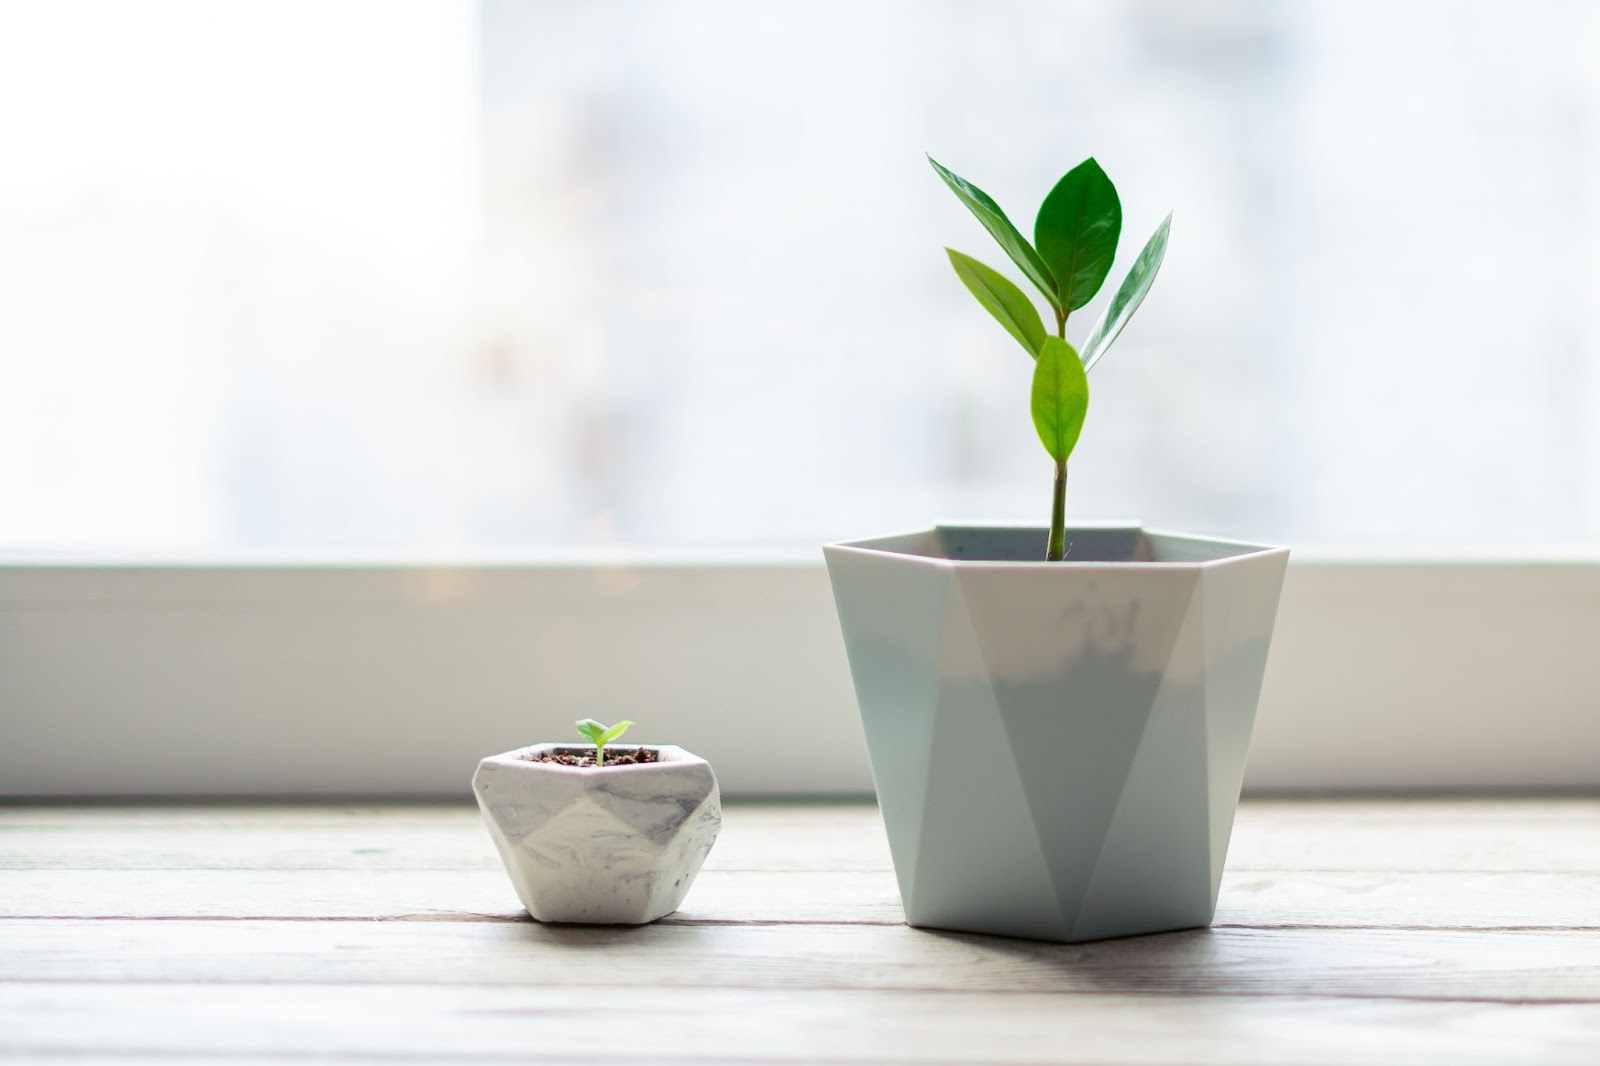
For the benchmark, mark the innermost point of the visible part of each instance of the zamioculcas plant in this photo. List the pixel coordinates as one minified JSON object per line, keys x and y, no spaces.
{"x":1074,"y":243}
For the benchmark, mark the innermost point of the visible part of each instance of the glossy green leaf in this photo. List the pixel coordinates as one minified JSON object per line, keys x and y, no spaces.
{"x":614,"y":732}
{"x":1130,"y":294}
{"x":1008,"y":304}
{"x":1060,"y":397}
{"x":1076,"y":232}
{"x":1000,"y":228}
{"x":591,"y":730}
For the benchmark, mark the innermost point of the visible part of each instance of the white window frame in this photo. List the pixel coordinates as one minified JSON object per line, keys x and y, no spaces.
{"x":306,"y":676}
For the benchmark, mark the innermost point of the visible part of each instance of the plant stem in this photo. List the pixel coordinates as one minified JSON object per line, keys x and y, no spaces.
{"x":1056,"y":550}
{"x":599,"y":756}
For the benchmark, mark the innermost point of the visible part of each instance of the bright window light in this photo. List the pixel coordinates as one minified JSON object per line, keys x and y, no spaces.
{"x":531,"y":272}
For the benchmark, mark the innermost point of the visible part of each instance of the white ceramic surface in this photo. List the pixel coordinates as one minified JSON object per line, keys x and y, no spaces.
{"x":1057,"y":747}
{"x":613,"y":845}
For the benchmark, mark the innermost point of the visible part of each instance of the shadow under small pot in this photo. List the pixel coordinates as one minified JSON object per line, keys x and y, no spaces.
{"x":618,"y":843}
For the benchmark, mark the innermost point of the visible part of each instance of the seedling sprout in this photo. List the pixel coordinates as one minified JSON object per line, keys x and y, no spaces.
{"x":601,"y":735}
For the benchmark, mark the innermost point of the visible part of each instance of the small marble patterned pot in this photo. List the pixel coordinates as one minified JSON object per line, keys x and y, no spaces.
{"x":613,"y":845}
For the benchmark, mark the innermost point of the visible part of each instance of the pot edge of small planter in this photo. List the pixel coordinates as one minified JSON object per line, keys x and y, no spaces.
{"x":1057,"y":748}
{"x":600,"y":845}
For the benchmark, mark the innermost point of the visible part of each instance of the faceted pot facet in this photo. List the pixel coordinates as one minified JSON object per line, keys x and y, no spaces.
{"x":607,"y":845}
{"x":1057,"y":747}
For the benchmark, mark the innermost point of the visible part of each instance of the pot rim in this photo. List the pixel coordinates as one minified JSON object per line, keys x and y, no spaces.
{"x":1232,"y":551}
{"x":670,"y":758}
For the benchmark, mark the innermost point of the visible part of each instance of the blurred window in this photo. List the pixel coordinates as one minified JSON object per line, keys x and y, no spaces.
{"x":533,"y":272}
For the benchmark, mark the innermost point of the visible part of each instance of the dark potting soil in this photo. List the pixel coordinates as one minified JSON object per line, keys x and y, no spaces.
{"x":585,"y":757}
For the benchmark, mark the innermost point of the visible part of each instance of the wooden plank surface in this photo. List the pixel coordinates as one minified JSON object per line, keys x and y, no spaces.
{"x":1270,"y":835}
{"x":1507,"y":901}
{"x":423,"y":1023}
{"x":1515,"y":967}
{"x":1450,"y":931}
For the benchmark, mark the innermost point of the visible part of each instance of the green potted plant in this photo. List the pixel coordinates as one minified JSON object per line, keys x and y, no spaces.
{"x":1057,"y":717}
{"x":593,"y":835}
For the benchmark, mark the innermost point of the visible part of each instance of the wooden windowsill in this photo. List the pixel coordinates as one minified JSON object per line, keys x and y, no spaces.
{"x":1392,"y":931}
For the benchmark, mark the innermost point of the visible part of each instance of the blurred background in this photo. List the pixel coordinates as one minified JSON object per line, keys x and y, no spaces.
{"x":535,"y":273}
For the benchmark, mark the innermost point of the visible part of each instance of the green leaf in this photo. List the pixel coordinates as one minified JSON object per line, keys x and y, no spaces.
{"x":591,"y":730}
{"x":614,"y":732}
{"x":1129,"y":295}
{"x":1076,"y":232}
{"x":1008,"y":304}
{"x":1060,"y":397}
{"x":1000,"y":228}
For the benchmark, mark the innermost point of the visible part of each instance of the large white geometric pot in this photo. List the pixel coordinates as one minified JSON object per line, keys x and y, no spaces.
{"x":617,"y":844}
{"x":1057,"y":747}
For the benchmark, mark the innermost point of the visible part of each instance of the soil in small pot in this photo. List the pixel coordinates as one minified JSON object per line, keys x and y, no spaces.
{"x":585,"y":757}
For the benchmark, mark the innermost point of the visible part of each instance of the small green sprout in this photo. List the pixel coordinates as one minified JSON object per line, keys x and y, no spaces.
{"x":1075,"y":241}
{"x":600,"y":735}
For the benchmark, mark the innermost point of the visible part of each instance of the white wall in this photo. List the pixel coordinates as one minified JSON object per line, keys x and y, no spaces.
{"x":395,"y":679}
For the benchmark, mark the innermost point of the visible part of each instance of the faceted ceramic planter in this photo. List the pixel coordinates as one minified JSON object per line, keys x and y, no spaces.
{"x":1057,"y":747}
{"x":613,"y":845}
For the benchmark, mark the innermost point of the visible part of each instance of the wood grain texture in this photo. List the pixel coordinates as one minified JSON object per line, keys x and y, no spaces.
{"x":1437,"y":931}
{"x":422,"y":1023}
{"x":1514,"y":966}
{"x":411,"y":837}
{"x":839,"y":897}
{"x":1513,"y":836}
